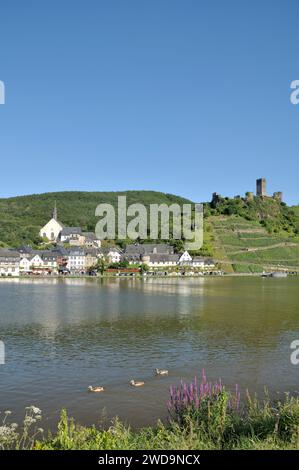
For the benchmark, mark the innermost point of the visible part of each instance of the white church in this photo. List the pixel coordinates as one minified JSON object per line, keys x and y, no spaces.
{"x":53,"y":228}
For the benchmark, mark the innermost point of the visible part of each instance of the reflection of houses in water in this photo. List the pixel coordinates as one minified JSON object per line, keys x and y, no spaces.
{"x":179,"y":286}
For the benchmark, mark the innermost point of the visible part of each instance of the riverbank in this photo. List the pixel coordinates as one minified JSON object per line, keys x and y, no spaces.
{"x":208,"y":419}
{"x":191,"y":436}
{"x":157,"y":276}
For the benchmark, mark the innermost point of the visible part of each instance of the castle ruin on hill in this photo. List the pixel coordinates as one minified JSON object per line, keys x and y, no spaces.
{"x":261,"y":191}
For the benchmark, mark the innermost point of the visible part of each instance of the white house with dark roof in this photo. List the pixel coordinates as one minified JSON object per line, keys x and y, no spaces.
{"x":50,"y":261}
{"x":36,"y":260}
{"x":9,"y":263}
{"x":157,"y":261}
{"x":70,"y":233}
{"x":24,"y":265}
{"x":113,"y":254}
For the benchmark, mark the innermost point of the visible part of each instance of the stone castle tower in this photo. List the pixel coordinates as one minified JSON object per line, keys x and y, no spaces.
{"x":261,"y":187}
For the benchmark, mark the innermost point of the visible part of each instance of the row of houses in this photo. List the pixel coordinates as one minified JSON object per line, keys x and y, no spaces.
{"x":79,"y":260}
{"x":163,"y":256}
{"x":76,"y":260}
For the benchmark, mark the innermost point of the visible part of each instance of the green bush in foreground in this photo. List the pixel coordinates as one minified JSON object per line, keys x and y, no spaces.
{"x":259,"y":426}
{"x":201,"y":417}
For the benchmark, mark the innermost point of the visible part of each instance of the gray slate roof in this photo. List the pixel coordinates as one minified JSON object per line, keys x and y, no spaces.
{"x":50,"y":256}
{"x":76,"y":252}
{"x":156,"y":258}
{"x":89,"y":235}
{"x":25,"y":249}
{"x":106,"y":250}
{"x":68,"y":231}
{"x":91,"y":251}
{"x":61,"y":251}
{"x":4,"y":253}
{"x":149,"y":248}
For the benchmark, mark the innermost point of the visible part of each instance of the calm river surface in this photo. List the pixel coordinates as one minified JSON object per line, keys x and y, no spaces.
{"x":63,"y":335}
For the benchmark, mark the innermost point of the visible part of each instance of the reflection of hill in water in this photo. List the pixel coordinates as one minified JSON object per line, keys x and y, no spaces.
{"x":62,"y":336}
{"x":247,"y":312}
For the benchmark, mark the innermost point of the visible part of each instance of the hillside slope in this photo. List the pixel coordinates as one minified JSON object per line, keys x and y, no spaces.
{"x":244,"y":236}
{"x":22,"y":217}
{"x":253,"y":236}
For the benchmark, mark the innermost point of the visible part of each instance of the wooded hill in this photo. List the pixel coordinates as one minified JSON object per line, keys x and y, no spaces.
{"x":22,"y":217}
{"x":245,"y":235}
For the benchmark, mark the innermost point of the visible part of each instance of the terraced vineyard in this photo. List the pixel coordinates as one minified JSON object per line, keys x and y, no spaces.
{"x":247,"y":247}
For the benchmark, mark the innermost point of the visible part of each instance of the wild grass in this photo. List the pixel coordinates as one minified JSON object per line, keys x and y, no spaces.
{"x":202,"y":416}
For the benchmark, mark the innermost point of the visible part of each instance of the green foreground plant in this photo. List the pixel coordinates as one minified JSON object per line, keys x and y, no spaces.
{"x":216,"y":424}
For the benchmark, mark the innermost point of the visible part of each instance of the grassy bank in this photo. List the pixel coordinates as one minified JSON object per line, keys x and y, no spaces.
{"x":201,"y":416}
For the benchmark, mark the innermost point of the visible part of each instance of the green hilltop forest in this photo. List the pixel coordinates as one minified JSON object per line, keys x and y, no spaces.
{"x":242,"y":235}
{"x":22,"y":217}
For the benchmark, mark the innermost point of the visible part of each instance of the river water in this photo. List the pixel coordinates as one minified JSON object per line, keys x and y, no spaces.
{"x":63,"y":335}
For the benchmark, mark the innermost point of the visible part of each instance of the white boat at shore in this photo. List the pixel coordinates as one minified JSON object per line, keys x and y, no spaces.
{"x":278,"y":274}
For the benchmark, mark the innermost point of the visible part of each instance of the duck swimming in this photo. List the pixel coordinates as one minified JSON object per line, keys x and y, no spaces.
{"x":136,"y":383}
{"x":96,"y":389}
{"x":161,"y":372}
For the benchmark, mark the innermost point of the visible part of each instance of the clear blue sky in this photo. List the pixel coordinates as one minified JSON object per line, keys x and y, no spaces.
{"x":187,"y":97}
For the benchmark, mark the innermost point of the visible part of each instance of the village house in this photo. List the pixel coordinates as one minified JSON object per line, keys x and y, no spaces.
{"x":112,"y":254}
{"x":50,"y":262}
{"x":137,"y":249}
{"x":76,"y":260}
{"x":62,"y":257}
{"x":91,"y":258}
{"x":157,"y":261}
{"x":135,"y":252}
{"x":198,"y":262}
{"x":72,"y":235}
{"x":91,"y":241}
{"x":9,"y":263}
{"x":185,"y":259}
{"x":210,"y":264}
{"x":36,"y":262}
{"x":24,"y":265}
{"x":25,"y":251}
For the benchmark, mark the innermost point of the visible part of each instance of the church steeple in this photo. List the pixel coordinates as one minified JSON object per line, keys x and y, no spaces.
{"x":55,"y":212}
